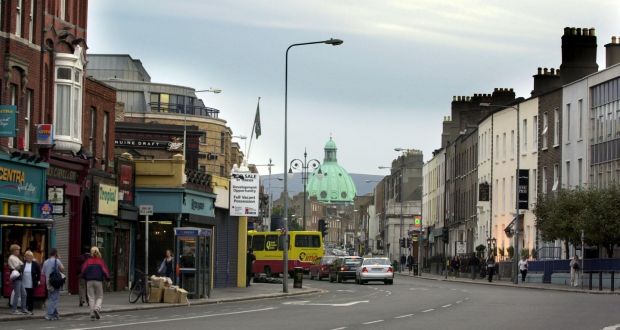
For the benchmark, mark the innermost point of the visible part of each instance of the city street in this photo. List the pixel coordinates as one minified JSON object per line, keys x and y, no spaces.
{"x":408,"y":304}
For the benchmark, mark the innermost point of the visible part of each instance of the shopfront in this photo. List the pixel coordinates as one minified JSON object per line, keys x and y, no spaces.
{"x":175,"y":207}
{"x":125,"y":229}
{"x":22,"y":193}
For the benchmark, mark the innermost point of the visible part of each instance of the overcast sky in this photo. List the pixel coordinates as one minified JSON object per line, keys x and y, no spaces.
{"x":389,"y":85}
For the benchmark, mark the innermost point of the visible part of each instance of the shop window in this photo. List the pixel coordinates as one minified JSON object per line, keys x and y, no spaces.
{"x":258,"y":242}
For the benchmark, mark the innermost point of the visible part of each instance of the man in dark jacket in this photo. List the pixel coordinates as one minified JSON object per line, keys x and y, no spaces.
{"x":474,"y":263}
{"x":410,"y":263}
{"x":250,"y":259}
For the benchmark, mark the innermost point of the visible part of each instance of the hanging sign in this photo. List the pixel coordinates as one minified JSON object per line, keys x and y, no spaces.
{"x":8,"y":115}
{"x":44,"y":135}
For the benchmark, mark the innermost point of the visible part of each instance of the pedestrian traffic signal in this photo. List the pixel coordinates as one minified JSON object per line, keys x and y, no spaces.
{"x":402,"y":242}
{"x":409,"y":243}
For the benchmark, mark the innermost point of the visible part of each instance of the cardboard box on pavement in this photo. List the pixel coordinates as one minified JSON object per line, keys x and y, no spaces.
{"x":182,"y":295}
{"x":170,"y":295}
{"x":156,"y":295}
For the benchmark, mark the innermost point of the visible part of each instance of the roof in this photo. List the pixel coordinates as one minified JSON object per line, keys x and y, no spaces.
{"x":331,"y":183}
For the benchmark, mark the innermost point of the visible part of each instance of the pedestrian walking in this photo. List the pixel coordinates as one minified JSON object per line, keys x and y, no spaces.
{"x":490,"y":267}
{"x":30,"y":279}
{"x":410,"y":263}
{"x":456,"y":265}
{"x":250,"y":259}
{"x":474,"y":263}
{"x":83,"y":296}
{"x":54,"y":274}
{"x":95,"y":272}
{"x":16,"y":267}
{"x":575,"y":268}
{"x":166,"y":268}
{"x":403,"y":262}
{"x":523,"y":268}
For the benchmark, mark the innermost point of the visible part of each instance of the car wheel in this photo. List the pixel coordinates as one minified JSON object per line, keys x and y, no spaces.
{"x":390,"y":282}
{"x":267,"y":271}
{"x":338,"y":278}
{"x":385,"y":282}
{"x":331,"y":279}
{"x":311,"y":276}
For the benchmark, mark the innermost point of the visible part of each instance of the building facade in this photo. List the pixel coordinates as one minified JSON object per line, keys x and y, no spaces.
{"x":433,"y":201}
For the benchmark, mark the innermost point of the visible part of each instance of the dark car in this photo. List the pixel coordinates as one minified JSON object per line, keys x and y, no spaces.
{"x":320,"y":268}
{"x":344,"y":269}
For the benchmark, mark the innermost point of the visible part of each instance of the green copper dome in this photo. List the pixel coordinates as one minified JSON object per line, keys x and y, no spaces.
{"x":331,"y":183}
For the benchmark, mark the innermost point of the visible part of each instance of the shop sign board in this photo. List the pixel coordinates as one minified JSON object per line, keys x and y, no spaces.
{"x":45,"y":136}
{"x":20,"y":182}
{"x":8,"y":116}
{"x":107,"y":198}
{"x":244,"y":193}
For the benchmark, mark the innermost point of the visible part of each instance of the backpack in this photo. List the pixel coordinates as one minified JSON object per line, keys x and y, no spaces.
{"x":56,"y":279}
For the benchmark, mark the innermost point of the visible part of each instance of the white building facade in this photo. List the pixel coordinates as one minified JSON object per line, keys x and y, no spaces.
{"x":433,"y":205}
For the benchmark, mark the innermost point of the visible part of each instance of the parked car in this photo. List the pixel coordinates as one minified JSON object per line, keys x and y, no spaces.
{"x":344,"y":269}
{"x":375,"y":269}
{"x":320,"y":268}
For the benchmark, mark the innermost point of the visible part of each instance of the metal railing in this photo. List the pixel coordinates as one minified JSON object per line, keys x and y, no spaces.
{"x":177,"y":108}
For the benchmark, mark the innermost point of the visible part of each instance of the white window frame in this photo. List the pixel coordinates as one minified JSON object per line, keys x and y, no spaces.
{"x":544,"y":180}
{"x":567,"y":174}
{"x":580,"y":171}
{"x":91,"y":133}
{"x":556,"y":177}
{"x":104,"y":139}
{"x":504,"y":146}
{"x":556,"y":127}
{"x":545,"y":140}
{"x":580,"y":110}
{"x":18,"y":18}
{"x":567,"y":123}
{"x":524,"y":134}
{"x":512,"y":144}
{"x":75,"y":62}
{"x":31,"y":21}
{"x":27,"y":114}
{"x":63,"y":10}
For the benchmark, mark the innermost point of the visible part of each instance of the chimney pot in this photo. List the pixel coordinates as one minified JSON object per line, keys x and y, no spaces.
{"x":585,"y":31}
{"x":539,"y":70}
{"x":579,"y":31}
{"x":613,"y":40}
{"x":552,"y":71}
{"x":566,"y":31}
{"x":592,"y":32}
{"x":511,"y":90}
{"x":573,"y":31}
{"x":557,"y":72}
{"x":495,"y":89}
{"x":546,"y":71}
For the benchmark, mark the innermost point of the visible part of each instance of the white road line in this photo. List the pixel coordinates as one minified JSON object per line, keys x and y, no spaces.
{"x":48,"y":328}
{"x":466,"y":298}
{"x":428,"y":310}
{"x":371,"y":322}
{"x":403,"y":316}
{"x":445,"y":306}
{"x":339,"y":328}
{"x":460,"y":301}
{"x":177,"y":319}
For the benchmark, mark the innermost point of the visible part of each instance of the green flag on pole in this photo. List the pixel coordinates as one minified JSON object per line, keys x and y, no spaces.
{"x":257,"y":120}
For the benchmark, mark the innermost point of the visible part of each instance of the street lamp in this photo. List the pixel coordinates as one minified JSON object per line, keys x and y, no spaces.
{"x":244,"y":138}
{"x":333,"y":42}
{"x":515,"y":267}
{"x":304,"y":165}
{"x":210,"y":90}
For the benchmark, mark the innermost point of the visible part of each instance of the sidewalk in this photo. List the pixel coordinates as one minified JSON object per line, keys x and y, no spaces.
{"x":119,"y":301}
{"x":507,"y":283}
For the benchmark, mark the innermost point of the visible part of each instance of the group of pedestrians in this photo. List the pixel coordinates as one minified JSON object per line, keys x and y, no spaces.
{"x":25,"y":277}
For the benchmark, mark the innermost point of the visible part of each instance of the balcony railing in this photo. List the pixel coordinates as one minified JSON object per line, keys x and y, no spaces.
{"x":177,"y":108}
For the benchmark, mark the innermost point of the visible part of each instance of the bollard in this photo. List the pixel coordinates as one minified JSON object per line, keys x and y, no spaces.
{"x":600,"y":281}
{"x":613,"y":274}
{"x":590,"y":282}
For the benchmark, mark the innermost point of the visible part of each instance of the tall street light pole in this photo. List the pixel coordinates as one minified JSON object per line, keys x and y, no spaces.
{"x":515,"y":266}
{"x":333,"y":42}
{"x":210,"y":90}
{"x":304,"y":165}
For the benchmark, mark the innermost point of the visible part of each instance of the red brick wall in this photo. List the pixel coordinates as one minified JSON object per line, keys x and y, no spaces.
{"x":101,"y":98}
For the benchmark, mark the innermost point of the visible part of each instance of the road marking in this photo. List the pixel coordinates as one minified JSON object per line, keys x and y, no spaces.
{"x":445,"y":306}
{"x":177,"y":319}
{"x":345,"y":290}
{"x":307,"y":303}
{"x":453,"y":289}
{"x":403,"y":316}
{"x":48,"y":328}
{"x":612,"y":327}
{"x":428,"y":310}
{"x":371,"y":322}
{"x":466,"y":298}
{"x":339,"y":328}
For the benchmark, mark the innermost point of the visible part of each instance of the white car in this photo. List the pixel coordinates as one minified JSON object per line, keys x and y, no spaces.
{"x":375,"y":269}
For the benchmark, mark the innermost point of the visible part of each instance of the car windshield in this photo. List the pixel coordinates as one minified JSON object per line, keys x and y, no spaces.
{"x":352,"y":261}
{"x":377,"y":261}
{"x":327,"y":260}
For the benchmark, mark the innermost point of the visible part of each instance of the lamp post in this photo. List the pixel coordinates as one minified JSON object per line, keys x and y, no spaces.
{"x":304,"y":165}
{"x":333,"y":42}
{"x":210,"y":90}
{"x":268,"y":165}
{"x":515,"y":267}
{"x":245,"y":145}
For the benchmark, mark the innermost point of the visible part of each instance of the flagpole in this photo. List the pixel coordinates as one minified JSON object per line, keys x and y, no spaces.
{"x":247,"y":152}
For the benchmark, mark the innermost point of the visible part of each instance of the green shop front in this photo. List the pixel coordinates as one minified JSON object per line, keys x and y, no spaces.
{"x":22,"y":194}
{"x":193,"y":254}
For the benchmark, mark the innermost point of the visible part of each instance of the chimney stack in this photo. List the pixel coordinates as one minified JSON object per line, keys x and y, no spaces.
{"x":578,"y":54}
{"x":612,"y":52}
{"x":546,"y":80}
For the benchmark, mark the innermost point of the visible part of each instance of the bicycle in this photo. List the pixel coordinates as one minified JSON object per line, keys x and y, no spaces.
{"x":139,"y":288}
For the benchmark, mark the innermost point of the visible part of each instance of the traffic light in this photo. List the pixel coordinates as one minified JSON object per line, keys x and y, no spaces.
{"x":409,"y":243}
{"x":402,"y":242}
{"x":323,"y":227}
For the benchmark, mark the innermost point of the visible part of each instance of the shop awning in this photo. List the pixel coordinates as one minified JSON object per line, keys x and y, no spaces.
{"x":25,"y":220}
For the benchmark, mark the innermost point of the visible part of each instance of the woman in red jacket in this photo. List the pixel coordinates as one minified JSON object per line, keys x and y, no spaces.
{"x":94,"y":272}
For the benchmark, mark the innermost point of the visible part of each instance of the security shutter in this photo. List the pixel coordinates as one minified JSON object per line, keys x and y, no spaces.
{"x":61,"y":225}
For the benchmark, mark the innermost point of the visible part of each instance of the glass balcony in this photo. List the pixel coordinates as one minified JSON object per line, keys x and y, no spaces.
{"x":191,"y":110}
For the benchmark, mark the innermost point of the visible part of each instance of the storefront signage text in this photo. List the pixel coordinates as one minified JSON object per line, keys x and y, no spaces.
{"x":196,"y":205}
{"x":62,"y":174}
{"x":244,"y":194}
{"x":108,"y":200}
{"x":44,"y":135}
{"x":8,"y":114}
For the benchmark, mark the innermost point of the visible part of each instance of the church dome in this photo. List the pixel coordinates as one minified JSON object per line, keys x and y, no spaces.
{"x":330,"y":183}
